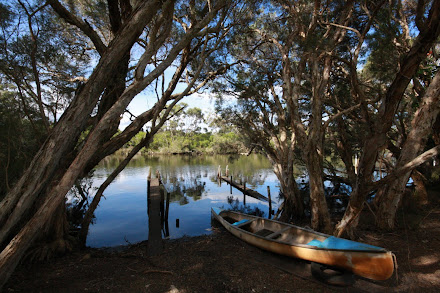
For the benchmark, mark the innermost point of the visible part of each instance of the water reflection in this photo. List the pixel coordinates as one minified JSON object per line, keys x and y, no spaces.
{"x":193,"y":189}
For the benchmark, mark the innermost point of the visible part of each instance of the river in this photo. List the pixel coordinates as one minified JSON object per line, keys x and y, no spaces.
{"x":121,"y":217}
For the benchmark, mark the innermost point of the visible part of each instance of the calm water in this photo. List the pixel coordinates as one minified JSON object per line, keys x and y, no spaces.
{"x":122,"y":218}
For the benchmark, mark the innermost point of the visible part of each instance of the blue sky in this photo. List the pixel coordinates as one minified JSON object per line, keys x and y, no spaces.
{"x":145,"y":101}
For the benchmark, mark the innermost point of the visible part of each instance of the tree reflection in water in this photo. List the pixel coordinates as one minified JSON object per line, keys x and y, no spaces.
{"x":234,"y":205}
{"x":191,"y":183}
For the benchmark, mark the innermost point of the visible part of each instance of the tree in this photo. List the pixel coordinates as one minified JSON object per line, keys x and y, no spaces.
{"x":62,"y":159}
{"x":382,"y":119}
{"x":20,"y":137}
{"x":39,"y":60}
{"x":422,"y":123}
{"x":282,"y":81}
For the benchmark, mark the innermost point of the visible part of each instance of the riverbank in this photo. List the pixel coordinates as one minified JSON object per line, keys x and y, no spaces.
{"x":222,"y":263}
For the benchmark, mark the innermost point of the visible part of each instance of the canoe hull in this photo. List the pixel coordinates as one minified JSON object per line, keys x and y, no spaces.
{"x":371,"y":265}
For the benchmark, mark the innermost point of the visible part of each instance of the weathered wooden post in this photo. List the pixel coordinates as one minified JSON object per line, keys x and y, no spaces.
{"x":270,"y":202}
{"x":227,"y":171}
{"x":244,"y":194}
{"x":219,"y":172}
{"x":167,"y":211}
{"x":154,"y":224}
{"x":230,"y":185}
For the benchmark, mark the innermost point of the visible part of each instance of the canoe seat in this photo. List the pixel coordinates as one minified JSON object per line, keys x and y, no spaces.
{"x":242,"y":223}
{"x":278,"y":233}
{"x":264,"y":232}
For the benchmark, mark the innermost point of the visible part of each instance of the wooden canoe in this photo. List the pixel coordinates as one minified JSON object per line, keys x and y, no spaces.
{"x":364,"y":260}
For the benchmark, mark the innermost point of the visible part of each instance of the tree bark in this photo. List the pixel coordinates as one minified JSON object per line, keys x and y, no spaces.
{"x":116,"y":51}
{"x":46,"y":162}
{"x":314,"y":150}
{"x":377,"y":140}
{"x":293,"y":202}
{"x":421,"y":127}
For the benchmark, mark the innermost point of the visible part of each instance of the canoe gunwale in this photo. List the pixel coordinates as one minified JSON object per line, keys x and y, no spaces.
{"x":377,"y":264}
{"x":382,"y":250}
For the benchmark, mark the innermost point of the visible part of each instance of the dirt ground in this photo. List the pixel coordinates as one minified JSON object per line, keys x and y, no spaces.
{"x":222,"y":263}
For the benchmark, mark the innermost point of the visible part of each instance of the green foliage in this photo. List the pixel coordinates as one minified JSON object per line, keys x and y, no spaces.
{"x":220,"y":143}
{"x":20,"y":138}
{"x":184,"y":133}
{"x":40,"y":40}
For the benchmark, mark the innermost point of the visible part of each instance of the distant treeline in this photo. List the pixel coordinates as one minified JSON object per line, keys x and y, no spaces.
{"x":169,"y":142}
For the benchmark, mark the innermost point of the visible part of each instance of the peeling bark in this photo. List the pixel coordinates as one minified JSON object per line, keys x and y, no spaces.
{"x":421,"y":127}
{"x":73,"y":122}
{"x":376,"y":141}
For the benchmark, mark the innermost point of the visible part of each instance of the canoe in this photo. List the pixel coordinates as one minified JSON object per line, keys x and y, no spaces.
{"x":364,"y":260}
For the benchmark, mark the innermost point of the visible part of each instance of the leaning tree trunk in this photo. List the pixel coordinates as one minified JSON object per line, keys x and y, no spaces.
{"x":350,"y":220}
{"x":61,"y":141}
{"x":421,"y":126}
{"x":13,"y":252}
{"x":96,"y":199}
{"x":293,"y":207}
{"x":377,"y":140}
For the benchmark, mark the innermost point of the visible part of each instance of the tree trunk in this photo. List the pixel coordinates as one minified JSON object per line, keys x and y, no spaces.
{"x":293,"y":202}
{"x":314,"y":150}
{"x":318,"y":205}
{"x":38,"y":176}
{"x":96,"y":199}
{"x":421,"y":126}
{"x":420,"y":193}
{"x":349,"y":222}
{"x":377,"y":140}
{"x":46,"y":162}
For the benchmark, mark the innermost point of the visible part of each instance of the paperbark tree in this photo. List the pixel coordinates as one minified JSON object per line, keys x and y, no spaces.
{"x":421,"y":127}
{"x":61,"y":161}
{"x":284,"y":74}
{"x":377,"y":138}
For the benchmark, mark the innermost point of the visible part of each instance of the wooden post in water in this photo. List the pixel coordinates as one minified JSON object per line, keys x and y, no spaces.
{"x":219,"y":171}
{"x":167,"y":207}
{"x":154,"y":224}
{"x":167,"y":211}
{"x":244,"y":194}
{"x":227,"y":171}
{"x":270,"y":202}
{"x":230,"y":185}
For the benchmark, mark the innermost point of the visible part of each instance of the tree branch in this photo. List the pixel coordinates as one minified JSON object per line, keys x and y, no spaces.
{"x":422,"y":158}
{"x":83,"y":26}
